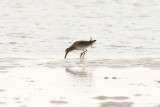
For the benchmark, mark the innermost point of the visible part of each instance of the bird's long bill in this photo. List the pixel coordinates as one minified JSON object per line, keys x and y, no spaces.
{"x":65,"y":55}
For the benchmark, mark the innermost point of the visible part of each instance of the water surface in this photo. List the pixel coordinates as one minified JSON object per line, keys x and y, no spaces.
{"x":39,"y":28}
{"x":121,"y":70}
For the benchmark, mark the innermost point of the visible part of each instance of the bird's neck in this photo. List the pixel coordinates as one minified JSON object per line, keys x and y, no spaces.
{"x":71,"y":48}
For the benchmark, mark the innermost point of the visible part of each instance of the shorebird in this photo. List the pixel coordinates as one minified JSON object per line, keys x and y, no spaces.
{"x":80,"y":45}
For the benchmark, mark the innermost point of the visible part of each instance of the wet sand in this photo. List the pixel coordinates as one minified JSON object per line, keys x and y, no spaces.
{"x":79,"y":83}
{"x":35,"y":33}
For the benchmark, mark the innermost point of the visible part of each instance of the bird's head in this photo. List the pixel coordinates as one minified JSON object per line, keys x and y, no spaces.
{"x":67,"y":51}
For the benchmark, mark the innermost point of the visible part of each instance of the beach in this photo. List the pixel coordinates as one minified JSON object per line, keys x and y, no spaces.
{"x":121,"y":69}
{"x":38,"y":83}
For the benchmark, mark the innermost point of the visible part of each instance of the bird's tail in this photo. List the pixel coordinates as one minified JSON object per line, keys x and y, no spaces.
{"x":93,"y":41}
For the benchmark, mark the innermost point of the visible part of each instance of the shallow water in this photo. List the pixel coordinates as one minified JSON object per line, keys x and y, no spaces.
{"x":121,"y":70}
{"x":76,"y":83}
{"x":39,"y":28}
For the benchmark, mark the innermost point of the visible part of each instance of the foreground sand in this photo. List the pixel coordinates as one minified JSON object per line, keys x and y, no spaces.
{"x":75,"y":83}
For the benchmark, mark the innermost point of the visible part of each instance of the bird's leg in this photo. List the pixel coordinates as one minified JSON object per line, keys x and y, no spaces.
{"x":81,"y":54}
{"x":84,"y":52}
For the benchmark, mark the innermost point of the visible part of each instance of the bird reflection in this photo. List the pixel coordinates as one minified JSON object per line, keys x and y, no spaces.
{"x":77,"y":71}
{"x":80,"y":77}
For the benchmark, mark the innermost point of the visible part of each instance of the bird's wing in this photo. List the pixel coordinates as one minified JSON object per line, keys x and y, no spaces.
{"x":82,"y":43}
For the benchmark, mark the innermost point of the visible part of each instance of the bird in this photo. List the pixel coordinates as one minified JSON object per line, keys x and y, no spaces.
{"x":80,"y":45}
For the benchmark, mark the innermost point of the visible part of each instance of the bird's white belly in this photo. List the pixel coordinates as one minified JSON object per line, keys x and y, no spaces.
{"x":81,"y":47}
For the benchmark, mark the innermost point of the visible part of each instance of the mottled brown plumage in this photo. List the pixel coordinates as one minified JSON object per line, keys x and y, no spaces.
{"x":80,"y":45}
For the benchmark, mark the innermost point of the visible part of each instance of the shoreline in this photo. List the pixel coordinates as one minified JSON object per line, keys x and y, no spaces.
{"x":12,"y":62}
{"x":32,"y":82}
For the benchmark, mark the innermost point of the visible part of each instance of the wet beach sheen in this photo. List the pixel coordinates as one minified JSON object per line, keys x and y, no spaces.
{"x":120,"y":70}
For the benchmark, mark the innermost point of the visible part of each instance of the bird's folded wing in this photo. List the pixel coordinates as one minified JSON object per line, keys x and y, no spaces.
{"x":80,"y":45}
